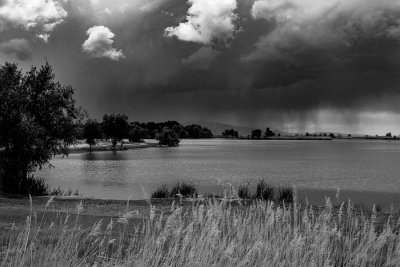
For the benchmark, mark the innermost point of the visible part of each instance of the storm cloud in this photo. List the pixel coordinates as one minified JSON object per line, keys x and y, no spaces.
{"x":275,"y":62}
{"x":19,"y":47}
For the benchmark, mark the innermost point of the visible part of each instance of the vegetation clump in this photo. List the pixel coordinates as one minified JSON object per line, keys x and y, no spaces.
{"x":286,"y":194}
{"x":178,"y":190}
{"x":38,"y":119}
{"x":264,"y":191}
{"x":244,"y":192}
{"x":167,"y":137}
{"x":208,"y":233}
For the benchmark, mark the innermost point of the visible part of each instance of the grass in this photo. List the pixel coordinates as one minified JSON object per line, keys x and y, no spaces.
{"x":264,"y":191}
{"x":161,"y":192}
{"x":244,"y":192}
{"x":286,"y":194}
{"x":179,"y":189}
{"x":209,"y":233}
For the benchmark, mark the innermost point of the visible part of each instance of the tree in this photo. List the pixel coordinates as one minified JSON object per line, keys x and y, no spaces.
{"x":167,"y":137}
{"x":256,"y":134}
{"x":268,"y":133}
{"x":389,"y":135}
{"x":136,"y":134}
{"x":196,"y":131}
{"x":91,"y":132}
{"x":230,"y":133}
{"x":180,"y":131}
{"x":38,"y":119}
{"x":115,"y":127}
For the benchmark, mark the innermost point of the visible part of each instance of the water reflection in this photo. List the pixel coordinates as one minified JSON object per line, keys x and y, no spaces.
{"x":112,"y":164}
{"x":320,"y":165}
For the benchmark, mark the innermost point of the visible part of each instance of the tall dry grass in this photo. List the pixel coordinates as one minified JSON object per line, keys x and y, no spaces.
{"x":211,"y":233}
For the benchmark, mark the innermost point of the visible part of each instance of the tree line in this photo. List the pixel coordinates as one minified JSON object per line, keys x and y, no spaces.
{"x":116,"y":127}
{"x":255,"y":134}
{"x":39,"y":119}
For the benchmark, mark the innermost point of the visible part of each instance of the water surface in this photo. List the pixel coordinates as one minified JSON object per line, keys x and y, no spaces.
{"x":367,"y":169}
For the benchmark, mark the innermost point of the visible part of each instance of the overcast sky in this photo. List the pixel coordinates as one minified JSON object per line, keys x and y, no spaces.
{"x":300,"y":64}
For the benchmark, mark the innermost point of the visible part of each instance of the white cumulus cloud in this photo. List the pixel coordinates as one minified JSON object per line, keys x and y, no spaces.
{"x":207,"y":21}
{"x":99,"y":43}
{"x":40,"y":15}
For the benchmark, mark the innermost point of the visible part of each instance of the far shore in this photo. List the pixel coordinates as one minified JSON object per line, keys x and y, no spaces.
{"x":82,"y":147}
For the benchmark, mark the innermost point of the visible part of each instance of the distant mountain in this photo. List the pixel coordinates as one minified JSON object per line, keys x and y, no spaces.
{"x":217,"y":128}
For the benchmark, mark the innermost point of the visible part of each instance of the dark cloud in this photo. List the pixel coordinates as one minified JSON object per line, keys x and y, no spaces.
{"x":284,"y":62}
{"x":18,"y":47}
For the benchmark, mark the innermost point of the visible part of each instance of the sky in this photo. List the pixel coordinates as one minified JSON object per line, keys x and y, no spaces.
{"x":302,"y":65}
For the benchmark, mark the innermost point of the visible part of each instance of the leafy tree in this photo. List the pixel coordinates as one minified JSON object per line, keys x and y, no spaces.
{"x":167,"y":137}
{"x":180,"y":131}
{"x":256,"y":134}
{"x":38,"y":119}
{"x":115,"y":127}
{"x":230,"y":133}
{"x":389,"y":135}
{"x":197,"y":131}
{"x":268,"y":133}
{"x":136,"y":134}
{"x":91,"y":132}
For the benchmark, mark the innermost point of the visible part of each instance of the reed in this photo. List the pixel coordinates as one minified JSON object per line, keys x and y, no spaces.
{"x":210,"y":233}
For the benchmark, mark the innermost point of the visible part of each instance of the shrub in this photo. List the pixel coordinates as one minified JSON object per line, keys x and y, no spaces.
{"x":57,"y":192}
{"x":186,"y":190}
{"x":264,"y":191}
{"x":37,"y":186}
{"x":244,"y":192}
{"x":161,"y":192}
{"x":286,"y":194}
{"x":167,"y":137}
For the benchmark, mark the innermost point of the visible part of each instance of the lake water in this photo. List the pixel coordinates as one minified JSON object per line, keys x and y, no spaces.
{"x":367,"y":171}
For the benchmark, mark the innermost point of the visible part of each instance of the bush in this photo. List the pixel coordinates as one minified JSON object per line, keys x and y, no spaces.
{"x":264,"y":191}
{"x":244,"y":192}
{"x":167,"y":137}
{"x":286,"y":194}
{"x":186,"y":190}
{"x":161,"y":192}
{"x":37,"y":186}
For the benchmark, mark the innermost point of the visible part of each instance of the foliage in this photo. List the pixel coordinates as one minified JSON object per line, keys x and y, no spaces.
{"x":179,"y":189}
{"x":37,"y":186}
{"x":244,"y":192}
{"x":264,"y":191}
{"x":268,"y":133}
{"x":38,"y":119}
{"x":256,"y":134}
{"x":197,"y":131}
{"x":184,"y":189}
{"x":91,"y":132}
{"x":161,"y":192}
{"x":115,"y":127}
{"x":231,"y":133}
{"x":167,"y":137}
{"x":208,"y":233}
{"x":286,"y":194}
{"x":136,"y":134}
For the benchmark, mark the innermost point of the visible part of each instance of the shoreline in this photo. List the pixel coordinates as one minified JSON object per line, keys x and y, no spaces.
{"x":16,"y":210}
{"x":105,"y":147}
